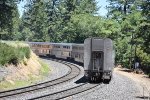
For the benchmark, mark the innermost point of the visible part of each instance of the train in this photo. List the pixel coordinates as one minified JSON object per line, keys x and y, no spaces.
{"x":97,"y":55}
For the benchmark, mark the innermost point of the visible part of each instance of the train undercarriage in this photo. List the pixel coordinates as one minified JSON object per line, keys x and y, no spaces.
{"x":95,"y":76}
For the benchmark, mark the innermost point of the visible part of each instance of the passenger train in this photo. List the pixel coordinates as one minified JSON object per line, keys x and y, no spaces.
{"x":96,"y":54}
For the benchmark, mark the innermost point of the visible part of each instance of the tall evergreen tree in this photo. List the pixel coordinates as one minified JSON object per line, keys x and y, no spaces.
{"x":8,"y":18}
{"x":35,"y":18}
{"x":6,"y":11}
{"x":144,"y":28}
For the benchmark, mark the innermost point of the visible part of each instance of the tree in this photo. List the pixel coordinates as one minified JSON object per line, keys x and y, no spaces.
{"x":144,"y":28}
{"x":8,"y":18}
{"x":35,"y":18}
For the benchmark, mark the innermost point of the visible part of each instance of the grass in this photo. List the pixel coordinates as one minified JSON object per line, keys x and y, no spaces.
{"x":18,"y":83}
{"x":45,"y":68}
{"x":4,"y":85}
{"x":13,"y":52}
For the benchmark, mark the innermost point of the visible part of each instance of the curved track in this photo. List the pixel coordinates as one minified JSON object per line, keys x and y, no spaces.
{"x":67,"y":93}
{"x":74,"y":72}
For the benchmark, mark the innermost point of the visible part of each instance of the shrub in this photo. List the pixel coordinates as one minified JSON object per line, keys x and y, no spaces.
{"x":13,"y":52}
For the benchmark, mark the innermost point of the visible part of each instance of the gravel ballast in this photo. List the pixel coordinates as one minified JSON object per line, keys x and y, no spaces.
{"x":120,"y":88}
{"x":57,"y":70}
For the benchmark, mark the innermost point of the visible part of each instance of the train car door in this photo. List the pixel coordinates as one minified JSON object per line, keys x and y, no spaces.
{"x":97,"y":60}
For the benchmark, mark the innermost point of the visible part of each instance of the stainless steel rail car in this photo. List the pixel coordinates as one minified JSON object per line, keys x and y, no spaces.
{"x":41,"y":48}
{"x":78,"y":52}
{"x":62,"y":50}
{"x":98,"y":58}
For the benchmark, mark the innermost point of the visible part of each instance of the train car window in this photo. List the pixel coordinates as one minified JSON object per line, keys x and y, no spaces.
{"x":76,"y":48}
{"x":76,"y":56}
{"x":97,"y":55}
{"x":56,"y":46}
{"x":79,"y":48}
{"x":39,"y":45}
{"x":69,"y":53}
{"x":47,"y":51}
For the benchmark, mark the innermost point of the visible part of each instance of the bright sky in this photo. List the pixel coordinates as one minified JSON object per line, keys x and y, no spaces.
{"x":101,"y":3}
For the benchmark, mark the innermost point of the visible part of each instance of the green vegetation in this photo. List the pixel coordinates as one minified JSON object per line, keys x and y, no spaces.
{"x":45,"y":68}
{"x":7,"y":85}
{"x":13,"y":52}
{"x":127,"y":23}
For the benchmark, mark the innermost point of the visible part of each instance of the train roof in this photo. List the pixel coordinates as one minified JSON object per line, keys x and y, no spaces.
{"x":78,"y":44}
{"x":39,"y":42}
{"x":51,"y":43}
{"x":63,"y":43}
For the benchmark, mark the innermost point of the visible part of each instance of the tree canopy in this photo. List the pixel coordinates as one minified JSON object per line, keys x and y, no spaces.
{"x":127,"y":23}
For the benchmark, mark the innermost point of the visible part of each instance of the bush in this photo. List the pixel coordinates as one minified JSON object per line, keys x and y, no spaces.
{"x":13,"y":52}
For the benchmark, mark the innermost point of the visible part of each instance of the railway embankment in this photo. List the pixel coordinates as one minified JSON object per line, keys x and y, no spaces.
{"x":142,"y":80}
{"x":19,"y":66}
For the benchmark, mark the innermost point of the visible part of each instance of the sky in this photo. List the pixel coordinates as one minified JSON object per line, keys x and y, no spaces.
{"x":101,"y":3}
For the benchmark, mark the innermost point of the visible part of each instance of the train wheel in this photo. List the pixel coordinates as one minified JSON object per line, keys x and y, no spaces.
{"x":106,"y":81}
{"x":91,"y":79}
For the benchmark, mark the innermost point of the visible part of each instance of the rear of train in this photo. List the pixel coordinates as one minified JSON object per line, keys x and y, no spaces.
{"x":98,"y":59}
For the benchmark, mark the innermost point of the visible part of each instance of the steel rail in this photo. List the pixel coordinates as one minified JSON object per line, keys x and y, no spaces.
{"x":37,"y":87}
{"x":66,"y":93}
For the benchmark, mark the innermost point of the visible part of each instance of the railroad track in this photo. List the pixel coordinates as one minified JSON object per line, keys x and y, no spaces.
{"x":66,"y":93}
{"x":74,"y":72}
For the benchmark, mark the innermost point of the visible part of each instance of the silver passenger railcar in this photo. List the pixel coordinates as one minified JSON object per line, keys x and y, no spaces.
{"x":98,"y":59}
{"x":78,"y":52}
{"x":41,"y":48}
{"x":62,"y":50}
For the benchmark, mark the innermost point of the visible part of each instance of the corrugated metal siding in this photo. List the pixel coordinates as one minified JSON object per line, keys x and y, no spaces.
{"x":108,"y":59}
{"x":87,"y":54}
{"x":97,"y":45}
{"x":103,"y":45}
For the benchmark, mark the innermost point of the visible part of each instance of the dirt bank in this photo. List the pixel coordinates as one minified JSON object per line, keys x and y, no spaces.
{"x":25,"y":73}
{"x":141,"y":79}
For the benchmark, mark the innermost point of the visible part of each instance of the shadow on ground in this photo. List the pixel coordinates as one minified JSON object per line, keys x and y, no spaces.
{"x":81,"y":80}
{"x":84,"y":80}
{"x":143,"y":97}
{"x":126,"y":70}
